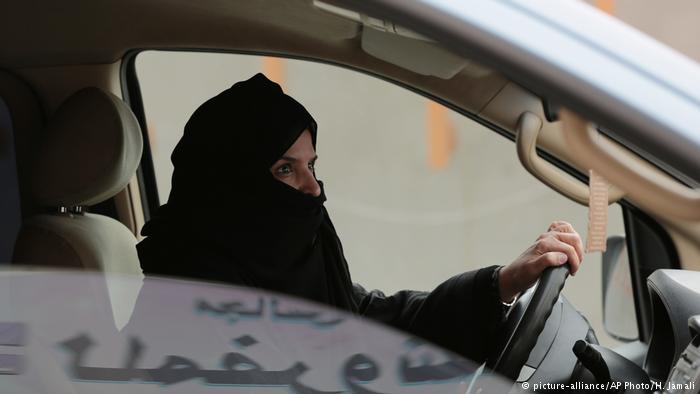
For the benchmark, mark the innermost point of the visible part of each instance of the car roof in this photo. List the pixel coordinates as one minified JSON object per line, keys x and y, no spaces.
{"x":58,"y":32}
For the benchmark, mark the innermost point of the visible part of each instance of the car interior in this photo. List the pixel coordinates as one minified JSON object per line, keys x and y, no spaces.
{"x":78,"y":179}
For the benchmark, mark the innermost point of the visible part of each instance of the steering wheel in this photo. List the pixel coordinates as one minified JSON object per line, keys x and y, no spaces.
{"x":519,"y":342}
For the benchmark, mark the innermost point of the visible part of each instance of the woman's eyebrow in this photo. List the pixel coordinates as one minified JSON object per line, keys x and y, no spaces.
{"x":294,"y":159}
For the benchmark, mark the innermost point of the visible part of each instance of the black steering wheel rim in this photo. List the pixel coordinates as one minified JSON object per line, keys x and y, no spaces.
{"x":518,"y":344}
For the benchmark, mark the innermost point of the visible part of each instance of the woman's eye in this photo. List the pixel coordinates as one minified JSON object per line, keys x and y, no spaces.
{"x":312,"y":166}
{"x":284,"y":170}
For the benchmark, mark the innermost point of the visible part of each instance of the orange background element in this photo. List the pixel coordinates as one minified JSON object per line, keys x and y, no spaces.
{"x":441,"y":136}
{"x":273,"y":68}
{"x":606,"y":5}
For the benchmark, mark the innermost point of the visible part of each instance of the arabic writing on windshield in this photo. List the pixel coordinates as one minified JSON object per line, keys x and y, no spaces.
{"x":357,"y":370}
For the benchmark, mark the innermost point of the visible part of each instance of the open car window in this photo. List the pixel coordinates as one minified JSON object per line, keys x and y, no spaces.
{"x":417,"y":192}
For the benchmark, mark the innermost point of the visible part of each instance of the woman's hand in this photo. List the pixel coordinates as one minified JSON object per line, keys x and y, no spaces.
{"x":559,"y":245}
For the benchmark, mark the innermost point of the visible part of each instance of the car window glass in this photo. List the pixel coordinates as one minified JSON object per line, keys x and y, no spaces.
{"x":417,"y":192}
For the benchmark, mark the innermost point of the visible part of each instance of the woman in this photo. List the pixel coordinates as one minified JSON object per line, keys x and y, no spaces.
{"x":246,"y":208}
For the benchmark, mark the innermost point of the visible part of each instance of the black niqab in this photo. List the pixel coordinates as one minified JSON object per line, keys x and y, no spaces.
{"x":228,"y":219}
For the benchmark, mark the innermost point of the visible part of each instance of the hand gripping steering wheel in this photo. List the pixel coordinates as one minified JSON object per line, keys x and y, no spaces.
{"x":518,"y":343}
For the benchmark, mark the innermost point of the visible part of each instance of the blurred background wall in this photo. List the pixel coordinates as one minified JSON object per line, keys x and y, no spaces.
{"x":674,"y":22}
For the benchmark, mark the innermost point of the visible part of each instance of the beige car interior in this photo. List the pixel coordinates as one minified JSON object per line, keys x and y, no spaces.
{"x":55,"y":63}
{"x":88,"y":153}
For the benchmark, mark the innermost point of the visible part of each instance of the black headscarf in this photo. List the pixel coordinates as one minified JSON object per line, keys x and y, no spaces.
{"x":228,"y":219}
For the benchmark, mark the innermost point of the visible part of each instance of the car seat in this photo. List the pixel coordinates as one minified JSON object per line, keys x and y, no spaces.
{"x":88,"y":153}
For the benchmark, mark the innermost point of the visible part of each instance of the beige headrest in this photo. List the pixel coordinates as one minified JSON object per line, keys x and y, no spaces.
{"x":89,"y":152}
